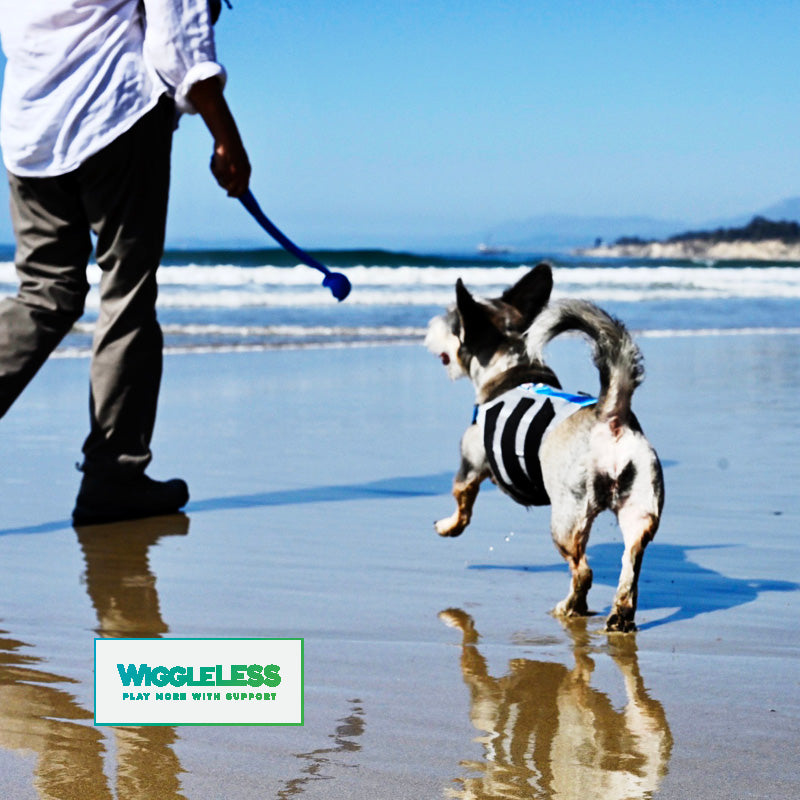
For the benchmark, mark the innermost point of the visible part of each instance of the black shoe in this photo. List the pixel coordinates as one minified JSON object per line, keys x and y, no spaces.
{"x":112,"y":499}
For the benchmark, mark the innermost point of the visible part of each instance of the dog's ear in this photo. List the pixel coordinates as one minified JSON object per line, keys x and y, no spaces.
{"x":481,"y":338}
{"x":529,"y":295}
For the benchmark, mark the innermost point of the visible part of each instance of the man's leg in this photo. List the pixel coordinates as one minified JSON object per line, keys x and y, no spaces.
{"x":124,"y":190}
{"x":53,"y":246}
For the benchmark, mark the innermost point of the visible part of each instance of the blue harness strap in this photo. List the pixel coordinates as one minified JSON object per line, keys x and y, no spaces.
{"x":581,"y":399}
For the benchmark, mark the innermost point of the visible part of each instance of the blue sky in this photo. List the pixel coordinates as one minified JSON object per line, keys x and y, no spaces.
{"x":373,"y":123}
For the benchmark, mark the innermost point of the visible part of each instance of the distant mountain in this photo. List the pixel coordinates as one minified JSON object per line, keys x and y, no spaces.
{"x":785,"y":211}
{"x":562,"y":232}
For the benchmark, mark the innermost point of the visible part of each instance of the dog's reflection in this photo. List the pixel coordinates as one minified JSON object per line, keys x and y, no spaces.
{"x":37,"y":712}
{"x":547,"y":733}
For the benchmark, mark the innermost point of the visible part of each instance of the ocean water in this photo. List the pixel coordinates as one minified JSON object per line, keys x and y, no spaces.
{"x":261,"y":299}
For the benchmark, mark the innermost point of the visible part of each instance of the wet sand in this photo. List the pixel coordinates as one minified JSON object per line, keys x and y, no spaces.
{"x":432,"y":667}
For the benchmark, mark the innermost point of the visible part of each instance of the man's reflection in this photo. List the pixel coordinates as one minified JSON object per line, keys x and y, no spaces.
{"x":548,"y":734}
{"x":122,"y":589}
{"x":37,"y":714}
{"x":118,"y":578}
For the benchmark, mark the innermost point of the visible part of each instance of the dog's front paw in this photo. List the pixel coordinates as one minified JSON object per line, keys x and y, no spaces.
{"x":572,"y":607}
{"x":450,"y":526}
{"x":561,"y":610}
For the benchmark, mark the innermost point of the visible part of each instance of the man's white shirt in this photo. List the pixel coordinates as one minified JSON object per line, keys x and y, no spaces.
{"x":80,"y":73}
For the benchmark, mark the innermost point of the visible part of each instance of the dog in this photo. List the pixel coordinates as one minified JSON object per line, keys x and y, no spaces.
{"x":542,"y":446}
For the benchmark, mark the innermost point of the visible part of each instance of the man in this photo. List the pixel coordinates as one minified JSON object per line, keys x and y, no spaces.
{"x":88,"y":109}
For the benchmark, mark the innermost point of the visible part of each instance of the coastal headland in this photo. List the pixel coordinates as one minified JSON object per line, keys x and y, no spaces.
{"x":759,"y":240}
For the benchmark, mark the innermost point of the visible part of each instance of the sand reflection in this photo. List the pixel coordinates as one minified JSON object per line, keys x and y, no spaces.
{"x":37,"y":714}
{"x":547,"y":733}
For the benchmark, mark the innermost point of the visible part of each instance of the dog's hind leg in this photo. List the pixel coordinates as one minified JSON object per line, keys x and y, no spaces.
{"x":638,"y":528}
{"x":570,"y":531}
{"x":473,"y":471}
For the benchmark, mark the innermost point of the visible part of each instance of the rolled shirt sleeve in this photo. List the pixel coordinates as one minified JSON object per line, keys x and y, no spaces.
{"x":78,"y":75}
{"x":179,"y":46}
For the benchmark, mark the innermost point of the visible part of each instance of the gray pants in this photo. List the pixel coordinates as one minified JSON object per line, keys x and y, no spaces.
{"x":120,"y":194}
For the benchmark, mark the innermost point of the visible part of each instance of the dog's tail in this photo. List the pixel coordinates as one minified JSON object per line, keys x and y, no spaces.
{"x":616,"y":355}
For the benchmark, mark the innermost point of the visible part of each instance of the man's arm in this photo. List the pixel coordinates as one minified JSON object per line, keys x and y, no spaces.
{"x":229,"y":164}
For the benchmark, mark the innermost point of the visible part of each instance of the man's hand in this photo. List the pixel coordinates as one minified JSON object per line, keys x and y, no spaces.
{"x":229,"y":163}
{"x":231,"y":167}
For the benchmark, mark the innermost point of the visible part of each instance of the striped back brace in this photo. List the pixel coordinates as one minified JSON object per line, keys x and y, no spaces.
{"x":514,"y":426}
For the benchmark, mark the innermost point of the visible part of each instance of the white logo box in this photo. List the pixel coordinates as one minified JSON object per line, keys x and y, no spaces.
{"x":198,"y":682}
